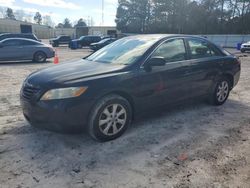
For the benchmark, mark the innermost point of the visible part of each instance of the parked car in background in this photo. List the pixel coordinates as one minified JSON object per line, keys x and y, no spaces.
{"x":17,"y":49}
{"x":245,"y":47}
{"x":84,"y":41}
{"x":19,"y":35}
{"x":62,"y":39}
{"x":105,"y":90}
{"x":102,"y":43}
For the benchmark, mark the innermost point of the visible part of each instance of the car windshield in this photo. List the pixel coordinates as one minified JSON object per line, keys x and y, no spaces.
{"x":82,"y":37}
{"x":124,"y":51}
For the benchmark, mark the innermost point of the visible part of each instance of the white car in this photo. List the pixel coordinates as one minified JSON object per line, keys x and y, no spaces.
{"x":245,"y":47}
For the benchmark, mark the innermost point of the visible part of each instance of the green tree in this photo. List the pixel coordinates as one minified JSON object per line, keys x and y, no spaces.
{"x":38,"y":18}
{"x":66,"y":23}
{"x":59,"y":25}
{"x":10,"y":14}
{"x":183,"y":16}
{"x":133,"y":16}
{"x":81,"y":23}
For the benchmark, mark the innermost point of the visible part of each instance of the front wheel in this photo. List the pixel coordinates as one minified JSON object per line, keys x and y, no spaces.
{"x":242,"y":51}
{"x":109,"y":118}
{"x":220,"y":92}
{"x":40,"y":57}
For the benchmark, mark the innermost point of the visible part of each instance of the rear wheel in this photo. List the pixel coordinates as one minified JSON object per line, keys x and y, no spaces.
{"x":40,"y":57}
{"x":221,"y":91}
{"x":109,"y":118}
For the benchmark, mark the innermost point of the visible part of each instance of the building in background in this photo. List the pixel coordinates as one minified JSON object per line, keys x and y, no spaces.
{"x":45,"y":32}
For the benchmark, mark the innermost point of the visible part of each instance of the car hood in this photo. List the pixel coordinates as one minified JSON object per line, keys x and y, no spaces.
{"x":71,"y":72}
{"x":93,"y":44}
{"x":247,"y":43}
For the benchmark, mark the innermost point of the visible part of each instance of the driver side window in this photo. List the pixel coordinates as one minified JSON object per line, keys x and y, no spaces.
{"x":172,"y":50}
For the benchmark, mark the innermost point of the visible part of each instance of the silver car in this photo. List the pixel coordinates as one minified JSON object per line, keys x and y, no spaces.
{"x":245,"y":47}
{"x":17,"y":49}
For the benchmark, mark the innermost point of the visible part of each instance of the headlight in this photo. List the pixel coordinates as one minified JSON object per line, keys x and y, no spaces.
{"x":63,"y":93}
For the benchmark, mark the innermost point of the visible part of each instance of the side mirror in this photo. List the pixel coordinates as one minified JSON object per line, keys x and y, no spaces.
{"x":156,"y":61}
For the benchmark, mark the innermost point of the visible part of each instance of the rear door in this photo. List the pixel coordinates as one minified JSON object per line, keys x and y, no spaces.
{"x":28,"y":49}
{"x":203,"y":65}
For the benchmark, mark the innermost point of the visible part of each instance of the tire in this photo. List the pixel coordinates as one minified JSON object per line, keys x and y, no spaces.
{"x":242,"y":51}
{"x":79,"y":46}
{"x":220,"y":92}
{"x":40,"y":57}
{"x":104,"y":124}
{"x":55,"y":44}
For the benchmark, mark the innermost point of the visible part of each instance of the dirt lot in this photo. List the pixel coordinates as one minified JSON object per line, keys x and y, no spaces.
{"x":193,"y":145}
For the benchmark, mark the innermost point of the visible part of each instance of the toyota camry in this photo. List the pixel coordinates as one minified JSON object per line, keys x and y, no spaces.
{"x":104,"y":91}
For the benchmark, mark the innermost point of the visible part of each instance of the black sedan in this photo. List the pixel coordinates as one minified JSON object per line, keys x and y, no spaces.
{"x":84,"y":41}
{"x":101,"y":44}
{"x":105,"y":90}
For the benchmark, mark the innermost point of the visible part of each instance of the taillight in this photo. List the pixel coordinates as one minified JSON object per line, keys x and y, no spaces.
{"x":238,"y":60}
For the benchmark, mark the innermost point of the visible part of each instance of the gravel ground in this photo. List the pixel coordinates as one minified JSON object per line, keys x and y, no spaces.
{"x":189,"y":145}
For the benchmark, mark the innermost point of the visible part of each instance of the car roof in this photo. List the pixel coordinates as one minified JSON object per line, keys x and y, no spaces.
{"x":161,"y":36}
{"x":4,"y":34}
{"x":90,"y":36}
{"x":16,"y":34}
{"x":23,"y":39}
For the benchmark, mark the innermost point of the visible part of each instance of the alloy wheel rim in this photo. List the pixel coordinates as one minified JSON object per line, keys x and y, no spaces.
{"x":40,"y":57}
{"x":222,"y":91}
{"x":112,"y":119}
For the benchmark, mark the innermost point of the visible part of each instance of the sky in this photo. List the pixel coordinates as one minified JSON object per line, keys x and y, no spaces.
{"x":72,"y":9}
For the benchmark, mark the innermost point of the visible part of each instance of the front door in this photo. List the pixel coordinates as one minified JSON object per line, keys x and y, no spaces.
{"x":175,"y":85}
{"x":165,"y":84}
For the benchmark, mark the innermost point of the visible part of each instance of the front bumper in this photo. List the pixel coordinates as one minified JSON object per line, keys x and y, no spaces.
{"x":50,"y":54}
{"x":68,"y":115}
{"x":245,"y":48}
{"x":236,"y":77}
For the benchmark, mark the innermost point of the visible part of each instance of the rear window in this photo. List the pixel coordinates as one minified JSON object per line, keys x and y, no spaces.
{"x":64,"y":37}
{"x":11,"y":42}
{"x":29,"y":36}
{"x":2,"y":37}
{"x":200,"y":49}
{"x":28,"y":43}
